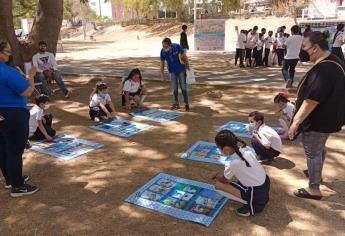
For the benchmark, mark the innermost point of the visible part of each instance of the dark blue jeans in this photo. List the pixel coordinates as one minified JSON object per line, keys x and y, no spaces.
{"x":40,"y":78}
{"x":264,"y":153}
{"x":14,"y":134}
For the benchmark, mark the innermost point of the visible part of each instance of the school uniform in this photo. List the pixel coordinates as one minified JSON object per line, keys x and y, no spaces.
{"x":268,"y":45}
{"x":288,"y":111}
{"x":133,"y":88}
{"x":251,"y":46}
{"x":36,"y":115}
{"x":280,"y":49}
{"x":253,"y":183}
{"x":95,"y":109}
{"x":337,"y":43}
{"x":293,"y":48}
{"x":258,"y":56}
{"x":269,"y":137}
{"x":240,"y":48}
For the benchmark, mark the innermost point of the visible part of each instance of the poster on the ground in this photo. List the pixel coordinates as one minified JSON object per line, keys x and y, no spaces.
{"x":206,"y":152}
{"x":65,"y":147}
{"x":181,"y":198}
{"x":157,"y":115}
{"x":240,"y":129}
{"x":209,"y":35}
{"x":122,"y":128}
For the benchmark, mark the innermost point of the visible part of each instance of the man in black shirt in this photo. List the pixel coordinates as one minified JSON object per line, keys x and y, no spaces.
{"x":183,"y":38}
{"x":320,"y":107}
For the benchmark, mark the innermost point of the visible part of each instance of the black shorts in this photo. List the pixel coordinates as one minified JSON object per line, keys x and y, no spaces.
{"x":249,"y":53}
{"x":255,"y":52}
{"x":138,"y":93}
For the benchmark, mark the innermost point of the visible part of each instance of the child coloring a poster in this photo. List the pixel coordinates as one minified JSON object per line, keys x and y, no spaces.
{"x":253,"y":184}
{"x":265,"y":140}
{"x":40,"y":124}
{"x":285,"y":110}
{"x":133,"y":88}
{"x":101,"y":106}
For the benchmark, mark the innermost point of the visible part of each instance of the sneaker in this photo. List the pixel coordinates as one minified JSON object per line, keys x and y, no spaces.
{"x":175,"y":107}
{"x":68,"y":94}
{"x":264,"y":161}
{"x":187,"y":108}
{"x":97,"y":119}
{"x":25,"y":190}
{"x":25,"y":177}
{"x":243,"y":211}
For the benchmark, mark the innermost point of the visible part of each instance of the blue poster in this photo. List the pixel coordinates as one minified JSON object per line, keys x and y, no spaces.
{"x":122,"y":128}
{"x":206,"y":152}
{"x":238,"y":128}
{"x":157,"y":115}
{"x":65,"y":147}
{"x":181,"y":198}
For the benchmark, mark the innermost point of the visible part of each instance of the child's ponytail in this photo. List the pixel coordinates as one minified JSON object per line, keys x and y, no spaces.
{"x":227,"y":138}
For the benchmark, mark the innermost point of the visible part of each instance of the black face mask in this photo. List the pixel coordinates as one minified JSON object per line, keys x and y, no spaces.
{"x":304,"y":56}
{"x":10,"y":60}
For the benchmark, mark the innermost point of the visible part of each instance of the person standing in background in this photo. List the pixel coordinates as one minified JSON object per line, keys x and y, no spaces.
{"x":183,"y":38}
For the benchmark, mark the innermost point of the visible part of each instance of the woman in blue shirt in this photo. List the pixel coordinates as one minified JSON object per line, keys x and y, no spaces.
{"x":14,"y":122}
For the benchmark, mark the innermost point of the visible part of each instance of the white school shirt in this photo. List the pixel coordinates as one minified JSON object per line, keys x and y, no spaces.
{"x":36,"y":114}
{"x":96,"y":100}
{"x":241,"y":39}
{"x":268,"y":42}
{"x":338,"y":42}
{"x":251,"y":40}
{"x":131,"y":86}
{"x":293,"y":46}
{"x":251,"y":176}
{"x":289,"y":110}
{"x":280,"y":42}
{"x":270,"y":137}
{"x":259,"y":44}
{"x":44,"y":61}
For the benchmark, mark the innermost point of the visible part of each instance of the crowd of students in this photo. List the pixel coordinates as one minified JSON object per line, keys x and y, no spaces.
{"x":253,"y":49}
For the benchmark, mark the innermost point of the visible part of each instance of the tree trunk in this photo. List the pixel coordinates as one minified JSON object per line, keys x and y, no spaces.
{"x":46,"y":26}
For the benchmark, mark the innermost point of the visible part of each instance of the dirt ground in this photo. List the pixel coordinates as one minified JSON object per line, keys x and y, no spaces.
{"x":86,"y":196}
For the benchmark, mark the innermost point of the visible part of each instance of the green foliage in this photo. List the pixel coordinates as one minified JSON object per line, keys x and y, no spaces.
{"x":23,"y":9}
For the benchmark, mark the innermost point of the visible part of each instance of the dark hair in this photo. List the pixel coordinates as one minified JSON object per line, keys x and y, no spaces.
{"x":340,"y":27}
{"x":167,"y":41}
{"x":295,"y":29}
{"x":316,"y":37}
{"x":184,"y":27}
{"x":270,"y":32}
{"x":263,"y":29}
{"x":227,"y":138}
{"x":261,"y":35}
{"x":41,"y":99}
{"x":255,"y":27}
{"x":42,"y":43}
{"x":257,"y":116}
{"x":279,"y":98}
{"x":99,"y":86}
{"x":135,"y":71}
{"x":283,"y":27}
{"x":3,"y":45}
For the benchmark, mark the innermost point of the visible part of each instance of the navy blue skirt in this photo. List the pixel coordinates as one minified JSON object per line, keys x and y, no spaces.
{"x":256,"y":197}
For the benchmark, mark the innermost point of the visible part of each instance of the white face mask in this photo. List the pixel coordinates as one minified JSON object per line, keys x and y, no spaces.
{"x":46,"y":106}
{"x":252,"y":126}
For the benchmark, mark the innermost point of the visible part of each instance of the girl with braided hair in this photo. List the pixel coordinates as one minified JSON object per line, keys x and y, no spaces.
{"x":252,"y":187}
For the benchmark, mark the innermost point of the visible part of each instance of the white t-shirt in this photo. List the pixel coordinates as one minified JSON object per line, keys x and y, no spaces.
{"x":96,"y":100}
{"x":251,"y":40}
{"x":259,"y":44}
{"x":338,"y":42}
{"x":131,"y":86}
{"x":44,"y":61}
{"x":270,"y":137}
{"x":251,"y":176}
{"x":280,"y":42}
{"x":268,"y":42}
{"x":289,"y":110}
{"x":293,"y":46}
{"x":241,"y":39}
{"x":36,"y":114}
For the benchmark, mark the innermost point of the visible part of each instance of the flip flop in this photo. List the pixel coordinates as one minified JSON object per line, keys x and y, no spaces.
{"x":302,"y":193}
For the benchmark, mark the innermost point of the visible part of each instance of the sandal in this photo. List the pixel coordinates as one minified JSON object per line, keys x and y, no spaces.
{"x":302,"y":193}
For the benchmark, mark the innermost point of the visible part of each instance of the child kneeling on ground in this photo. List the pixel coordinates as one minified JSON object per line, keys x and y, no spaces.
{"x":133,"y":88}
{"x":265,"y":141}
{"x":101,"y":106}
{"x":253,"y":185}
{"x":40,"y":124}
{"x":285,"y":110}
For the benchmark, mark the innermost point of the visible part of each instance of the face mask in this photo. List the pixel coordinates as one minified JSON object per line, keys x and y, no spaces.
{"x":102,"y":94}
{"x":165,"y":49}
{"x":252,"y":126}
{"x":10,"y":60}
{"x":46,"y":106}
{"x":304,"y":56}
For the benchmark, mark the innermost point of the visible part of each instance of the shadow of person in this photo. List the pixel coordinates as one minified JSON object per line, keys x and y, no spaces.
{"x":282,"y":163}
